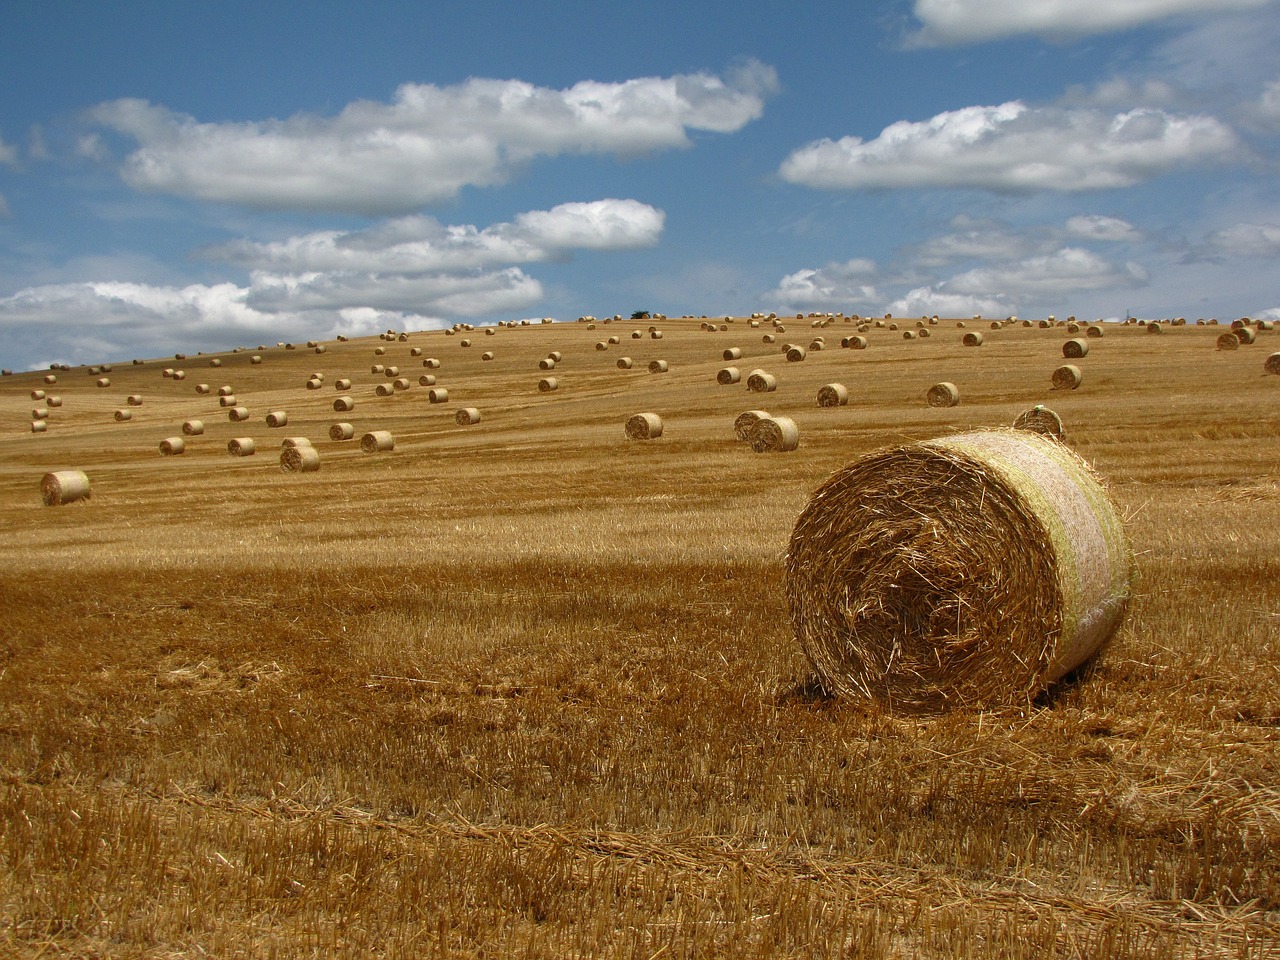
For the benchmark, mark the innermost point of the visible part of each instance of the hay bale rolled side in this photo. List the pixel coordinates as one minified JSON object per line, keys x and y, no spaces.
{"x":643,"y":426}
{"x":833,"y":395}
{"x":341,"y":431}
{"x":65,"y":486}
{"x":241,"y":447}
{"x":971,"y":570}
{"x":377,"y":441}
{"x":943,"y":394}
{"x":300,"y":459}
{"x":1067,"y":377}
{"x":774,"y":435}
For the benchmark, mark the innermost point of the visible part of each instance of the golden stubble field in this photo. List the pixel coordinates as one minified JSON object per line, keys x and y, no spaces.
{"x":525,"y":688}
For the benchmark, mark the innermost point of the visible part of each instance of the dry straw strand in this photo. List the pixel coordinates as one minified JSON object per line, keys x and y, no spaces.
{"x":643,"y":426}
{"x":300,"y":459}
{"x":971,"y":570}
{"x":377,"y":441}
{"x":943,"y":394}
{"x":774,"y":435}
{"x":65,"y":486}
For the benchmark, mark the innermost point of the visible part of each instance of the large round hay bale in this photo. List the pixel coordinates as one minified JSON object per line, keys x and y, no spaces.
{"x":295,"y":442}
{"x":193,"y":428}
{"x":743,"y":423}
{"x":39,"y":426}
{"x":546,"y":363}
{"x":104,"y":381}
{"x":202,"y":388}
{"x":728,"y":375}
{"x":833,"y":395}
{"x":467,"y":416}
{"x":1093,"y":330}
{"x":1228,"y":341}
{"x":643,"y":426}
{"x":1246,"y":335}
{"x":625,"y":363}
{"x":658,"y":366}
{"x":238,"y":414}
{"x":400,"y":383}
{"x":134,"y":400}
{"x":342,"y":384}
{"x":341,"y":431}
{"x":796,"y":353}
{"x":438,"y":395}
{"x":122,"y":415}
{"x":227,"y":401}
{"x":548,"y":384}
{"x":1075,"y":348}
{"x":384,"y":390}
{"x":172,"y":446}
{"x":314,"y":384}
{"x":377,"y":441}
{"x":241,"y":447}
{"x":300,"y":459}
{"x":1154,"y":327}
{"x":427,"y":380}
{"x":64,"y":486}
{"x":255,"y":359}
{"x":854,"y":343}
{"x":277,"y":418}
{"x":344,"y":405}
{"x":774,"y":435}
{"x":226,"y":391}
{"x":768,"y":338}
{"x":1272,"y":364}
{"x":178,"y":375}
{"x":50,"y":378}
{"x":53,"y":400}
{"x":215,"y":362}
{"x":733,"y":353}
{"x":973,"y":339}
{"x":431,"y":363}
{"x":1067,"y":377}
{"x":1040,"y":419}
{"x":971,"y":570}
{"x":943,"y":394}
{"x":38,"y":395}
{"x":42,"y":413}
{"x":760,"y":382}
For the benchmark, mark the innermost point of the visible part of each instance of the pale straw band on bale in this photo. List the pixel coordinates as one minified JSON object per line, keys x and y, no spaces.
{"x":643,"y":426}
{"x":943,"y":395}
{"x":774,"y":435}
{"x":341,"y":431}
{"x":300,"y":459}
{"x":377,"y":441}
{"x":972,"y":570}
{"x":728,"y":376}
{"x":172,"y":446}
{"x":241,"y":447}
{"x":1040,"y":419}
{"x":743,"y":423}
{"x":833,"y":395}
{"x":467,"y":416}
{"x":1067,"y":377}
{"x":64,"y":486}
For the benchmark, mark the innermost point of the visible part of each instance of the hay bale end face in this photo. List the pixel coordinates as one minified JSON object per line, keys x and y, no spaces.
{"x":971,"y":570}
{"x":943,"y":394}
{"x":833,"y":395}
{"x":341,"y":431}
{"x":65,"y":486}
{"x":300,"y":459}
{"x":377,"y":441}
{"x":643,"y":426}
{"x":774,"y":435}
{"x":1067,"y":377}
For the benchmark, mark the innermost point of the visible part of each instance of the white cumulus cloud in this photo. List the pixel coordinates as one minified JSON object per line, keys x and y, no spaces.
{"x":1015,"y":148}
{"x":848,"y":286}
{"x":1247,"y":239}
{"x":928,"y":301}
{"x":427,"y":143}
{"x":1097,"y":227}
{"x":1068,"y":270}
{"x":949,"y":22}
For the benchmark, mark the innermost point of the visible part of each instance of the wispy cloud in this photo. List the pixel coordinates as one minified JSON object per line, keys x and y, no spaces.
{"x":427,"y":143}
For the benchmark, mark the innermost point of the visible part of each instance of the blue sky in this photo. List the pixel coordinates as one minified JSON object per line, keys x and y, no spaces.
{"x":180,"y":176}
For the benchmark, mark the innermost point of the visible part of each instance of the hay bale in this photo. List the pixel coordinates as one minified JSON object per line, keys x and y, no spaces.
{"x":438,"y":395}
{"x":193,"y":428}
{"x":733,"y":353}
{"x":487,"y":355}
{"x":1040,"y":419}
{"x":467,"y":416}
{"x":1272,"y":364}
{"x":341,"y":431}
{"x":1094,"y":331}
{"x":833,"y":395}
{"x":202,"y":388}
{"x":294,"y":442}
{"x":121,"y":415}
{"x":344,"y":405}
{"x":601,"y":345}
{"x":39,"y":426}
{"x":769,"y":338}
{"x":255,"y":359}
{"x":277,"y":418}
{"x":238,"y":414}
{"x":65,"y":486}
{"x":300,"y":459}
{"x":39,"y":413}
{"x":943,"y":394}
{"x":973,"y":339}
{"x":38,"y":394}
{"x":643,"y":426}
{"x":391,"y":372}
{"x":1154,"y":327}
{"x":53,"y":400}
{"x":431,"y":363}
{"x":624,"y":363}
{"x":555,"y":355}
{"x":908,"y":334}
{"x":1067,"y":377}
{"x":104,"y":381}
{"x":215,"y":362}
{"x":548,"y":384}
{"x":377,"y":441}
{"x":314,"y":384}
{"x":760,"y":382}
{"x":655,"y":334}
{"x":134,"y":400}
{"x":427,"y":380}
{"x":546,"y":363}
{"x":1075,"y":348}
{"x":728,"y":375}
{"x":774,"y":435}
{"x":379,"y":351}
{"x":241,"y":447}
{"x":384,"y":390}
{"x":172,"y":446}
{"x":658,"y":366}
{"x":1228,"y":341}
{"x":743,"y":423}
{"x":971,"y":570}
{"x":228,"y":401}
{"x":320,"y":348}
{"x":50,"y":378}
{"x":1246,"y":335}
{"x":179,"y":374}
{"x":400,"y":383}
{"x":796,"y":353}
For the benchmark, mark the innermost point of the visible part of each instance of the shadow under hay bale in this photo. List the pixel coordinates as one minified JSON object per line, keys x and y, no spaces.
{"x":65,"y":486}
{"x":643,"y":426}
{"x":971,"y":570}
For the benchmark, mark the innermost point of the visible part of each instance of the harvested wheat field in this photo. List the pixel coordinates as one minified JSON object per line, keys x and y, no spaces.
{"x":527,"y":688}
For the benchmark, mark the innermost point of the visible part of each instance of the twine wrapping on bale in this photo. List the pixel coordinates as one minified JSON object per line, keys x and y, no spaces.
{"x":277,"y":418}
{"x":943,"y":395}
{"x":193,"y":428}
{"x":1075,"y":348}
{"x":341,"y":431}
{"x":1067,"y":377}
{"x":377,"y":441}
{"x":643,"y":426}
{"x":467,"y":416}
{"x":122,"y":415}
{"x":624,"y":363}
{"x":300,"y":459}
{"x":973,"y":339}
{"x":1040,"y":419}
{"x":774,"y":435}
{"x":1272,"y":364}
{"x":743,"y":423}
{"x":972,"y":570}
{"x":728,"y":375}
{"x":64,"y":486}
{"x":172,"y":446}
{"x":833,"y":395}
{"x":241,"y":447}
{"x":760,"y":382}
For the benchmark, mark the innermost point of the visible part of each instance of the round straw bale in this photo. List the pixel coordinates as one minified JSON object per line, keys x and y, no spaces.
{"x":743,"y":423}
{"x":796,"y":353}
{"x":320,"y":348}
{"x":179,"y":374}
{"x":728,"y":375}
{"x":39,"y":426}
{"x":658,"y":366}
{"x":202,"y":388}
{"x":255,"y":359}
{"x":314,"y":384}
{"x":643,"y":426}
{"x":624,"y":363}
{"x":1228,"y":341}
{"x":760,"y":382}
{"x":818,"y":344}
{"x":215,"y":362}
{"x":943,"y":395}
{"x":769,"y":338}
{"x":1093,"y":330}
{"x":547,"y":384}
{"x":636,"y":334}
{"x":238,"y":414}
{"x":343,"y":405}
{"x":377,"y":368}
{"x":733,"y":353}
{"x":50,"y":378}
{"x":546,"y":363}
{"x":377,"y":441}
{"x":227,"y":401}
{"x":104,"y":382}
{"x":467,"y":416}
{"x":555,"y":356}
{"x":134,"y":400}
{"x":38,"y":394}
{"x":427,"y":380}
{"x":225,"y":391}
{"x":774,"y":435}
{"x":391,"y":372}
{"x":39,"y":413}
{"x":1040,"y":419}
{"x":614,"y":341}
{"x":341,"y":431}
{"x":384,"y":390}
{"x":438,"y":395}
{"x":973,"y":339}
{"x":431,"y":363}
{"x":122,"y":415}
{"x":487,"y":355}
{"x":295,"y":442}
{"x":64,"y":486}
{"x":1074,"y":348}
{"x":1067,"y":377}
{"x":172,"y":446}
{"x":379,"y":351}
{"x":464,"y":342}
{"x":342,"y":384}
{"x":908,"y":334}
{"x":241,"y":447}
{"x":193,"y":428}
{"x":1271,"y":365}
{"x":1154,"y":327}
{"x":655,"y":334}
{"x":300,"y":459}
{"x":1246,"y":335}
{"x":833,"y":395}
{"x":601,"y":345}
{"x":925,"y":334}
{"x":400,"y":383}
{"x":970,"y":570}
{"x":53,"y":400}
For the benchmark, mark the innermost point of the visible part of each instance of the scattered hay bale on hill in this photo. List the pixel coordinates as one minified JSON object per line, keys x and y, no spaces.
{"x":546,"y":363}
{"x":65,"y":486}
{"x":796,"y":353}
{"x":973,"y":339}
{"x":758,"y":381}
{"x":238,"y":414}
{"x":295,"y":442}
{"x":400,"y":383}
{"x":377,"y":441}
{"x":1246,"y":335}
{"x":314,"y":384}
{"x":241,"y":447}
{"x":1075,"y":348}
{"x":215,"y":362}
{"x":769,"y":338}
{"x":943,"y":394}
{"x":1272,"y":364}
{"x":122,"y":415}
{"x":228,"y":401}
{"x":1094,"y":331}
{"x":38,"y":394}
{"x":341,"y":431}
{"x":643,"y":426}
{"x":438,"y":395}
{"x":467,"y":416}
{"x":487,"y":355}
{"x":971,"y":570}
{"x":1067,"y":377}
{"x":104,"y":382}
{"x":1228,"y":341}
{"x":39,"y":426}
{"x":427,"y":380}
{"x":384,"y":390}
{"x":833,"y":395}
{"x":300,"y":459}
{"x":431,"y":363}
{"x":342,"y":384}
{"x":193,"y":428}
{"x":172,"y":446}
{"x":1040,"y":419}
{"x":743,"y":423}
{"x":344,"y":405}
{"x":728,"y":375}
{"x":733,"y":353}
{"x":53,"y":400}
{"x":625,"y":363}
{"x":658,"y":366}
{"x":548,"y":384}
{"x":854,"y":343}
{"x":255,"y":359}
{"x":774,"y":435}
{"x":277,"y":418}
